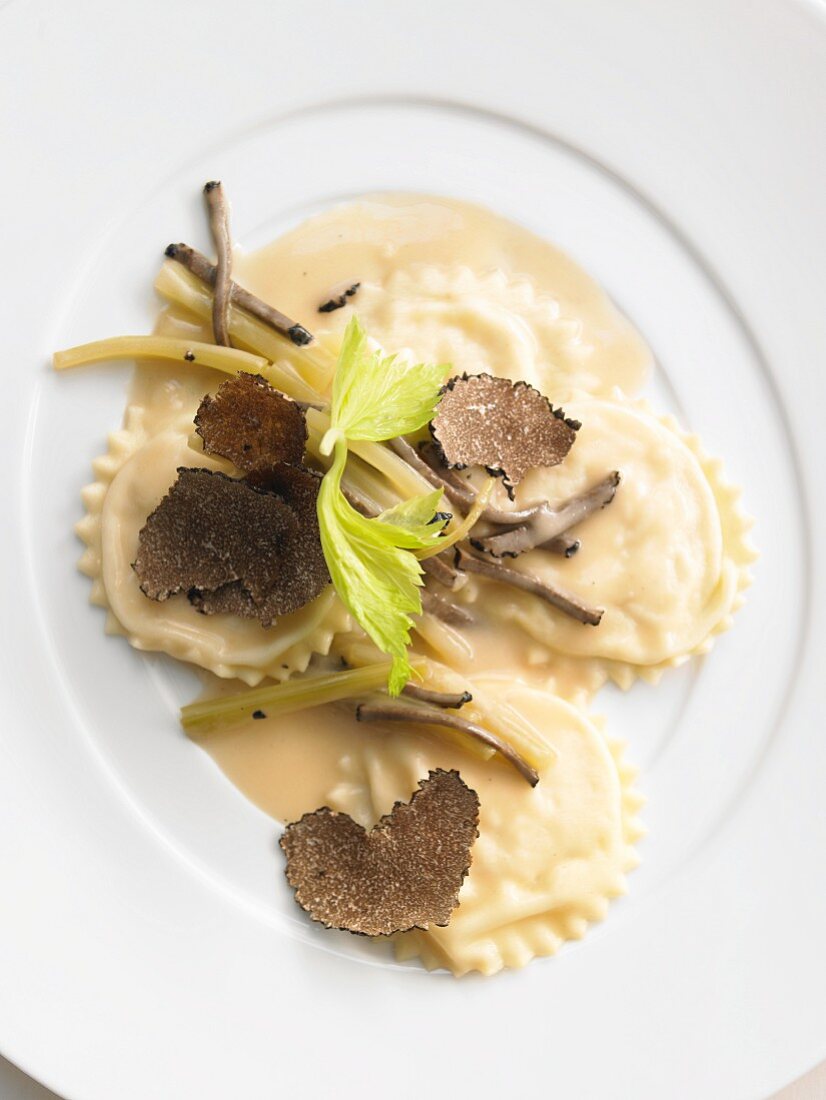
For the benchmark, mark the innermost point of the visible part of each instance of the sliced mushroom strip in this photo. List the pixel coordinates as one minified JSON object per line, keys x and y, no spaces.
{"x":562,"y":544}
{"x":391,"y":711}
{"x":547,"y":524}
{"x":448,"y":612}
{"x":463,"y":493}
{"x":219,"y":228}
{"x":459,"y":494}
{"x":200,"y":266}
{"x":437,"y":568}
{"x":564,"y":601}
{"x":444,"y":699}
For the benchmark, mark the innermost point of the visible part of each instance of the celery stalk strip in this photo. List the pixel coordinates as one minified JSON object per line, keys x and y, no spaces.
{"x":314,"y":365}
{"x":276,"y":699}
{"x":463,"y":529}
{"x":190,"y":352}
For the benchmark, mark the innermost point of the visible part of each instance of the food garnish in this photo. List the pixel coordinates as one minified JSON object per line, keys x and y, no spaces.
{"x":376,"y":398}
{"x":338,"y":301}
{"x":227,"y":360}
{"x":221,"y":238}
{"x":200,"y":266}
{"x":405,"y":873}
{"x":249,"y":422}
{"x":392,"y":710}
{"x":547,"y":524}
{"x":507,"y":427}
{"x":565,"y":601}
{"x":212,"y":531}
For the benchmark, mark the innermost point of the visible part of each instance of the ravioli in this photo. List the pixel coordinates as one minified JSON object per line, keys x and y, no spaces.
{"x":667,"y":561}
{"x":132,"y":479}
{"x":548,"y":859}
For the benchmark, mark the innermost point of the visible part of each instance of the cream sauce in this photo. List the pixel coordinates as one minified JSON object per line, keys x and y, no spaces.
{"x":547,"y":859}
{"x":457,"y":284}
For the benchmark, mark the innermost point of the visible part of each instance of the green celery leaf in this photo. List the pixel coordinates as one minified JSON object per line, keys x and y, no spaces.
{"x":378,"y":397}
{"x":374,"y":573}
{"x":417,"y":516}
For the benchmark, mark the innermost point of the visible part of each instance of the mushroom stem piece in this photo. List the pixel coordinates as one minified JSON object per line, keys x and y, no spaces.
{"x":547,"y":523}
{"x":437,"y":568}
{"x":445,"y":610}
{"x":199,"y":265}
{"x":562,"y":544}
{"x":566,"y":602}
{"x":219,"y":228}
{"x":445,"y":699}
{"x":390,"y":711}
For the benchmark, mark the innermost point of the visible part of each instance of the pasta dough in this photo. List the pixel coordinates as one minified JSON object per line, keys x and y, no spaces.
{"x":667,"y":560}
{"x":548,"y":859}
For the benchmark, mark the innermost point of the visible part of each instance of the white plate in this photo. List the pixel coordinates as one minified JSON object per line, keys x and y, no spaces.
{"x":148,"y":946}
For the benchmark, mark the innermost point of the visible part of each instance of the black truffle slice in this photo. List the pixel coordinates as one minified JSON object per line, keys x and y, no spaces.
{"x":210,"y":530}
{"x":508,"y":427}
{"x":302,"y":571}
{"x":248,"y":422}
{"x":405,"y":873}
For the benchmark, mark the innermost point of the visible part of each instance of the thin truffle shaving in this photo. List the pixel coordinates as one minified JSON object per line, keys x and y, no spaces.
{"x":507,"y":427}
{"x":209,"y":530}
{"x":405,"y":873}
{"x":234,"y":548}
{"x":249,"y":422}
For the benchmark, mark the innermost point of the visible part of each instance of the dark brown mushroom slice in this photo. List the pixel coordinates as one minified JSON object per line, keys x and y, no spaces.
{"x":391,"y":710}
{"x":507,"y":427}
{"x":447,"y":699}
{"x":405,"y":873}
{"x":219,"y":228}
{"x":249,"y":422}
{"x":200,"y":266}
{"x":567,"y":602}
{"x":451,"y":613}
{"x":438,"y":570}
{"x":549,"y":523}
{"x":208,"y":531}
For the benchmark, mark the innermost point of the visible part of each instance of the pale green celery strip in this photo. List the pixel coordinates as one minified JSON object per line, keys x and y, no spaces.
{"x":395,"y":469}
{"x":443,"y":639}
{"x":314,"y":365}
{"x":188,"y":352}
{"x":367,"y":481}
{"x":502,"y":719}
{"x":301,"y":693}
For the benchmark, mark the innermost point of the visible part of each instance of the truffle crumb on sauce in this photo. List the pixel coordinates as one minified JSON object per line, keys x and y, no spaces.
{"x":247,"y":421}
{"x":338,"y":301}
{"x":507,"y":427}
{"x":405,"y":873}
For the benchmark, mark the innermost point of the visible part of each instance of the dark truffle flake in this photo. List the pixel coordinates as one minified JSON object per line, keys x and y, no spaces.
{"x":210,"y":530}
{"x":507,"y":427}
{"x":301,"y":572}
{"x":339,"y":301}
{"x":405,"y":873}
{"x":304,"y":570}
{"x":248,"y":422}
